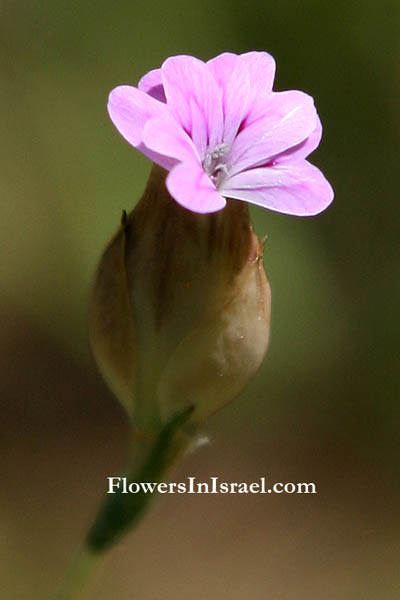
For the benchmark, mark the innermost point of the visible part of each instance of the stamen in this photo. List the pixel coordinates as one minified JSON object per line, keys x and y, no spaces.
{"x":211,"y":163}
{"x":220,"y":150}
{"x":221,"y":167}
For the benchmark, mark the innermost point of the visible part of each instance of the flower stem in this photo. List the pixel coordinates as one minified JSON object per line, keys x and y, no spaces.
{"x":78,"y":575}
{"x":121,"y":512}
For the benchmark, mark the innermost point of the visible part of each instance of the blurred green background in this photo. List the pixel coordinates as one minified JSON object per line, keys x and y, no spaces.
{"x":325,"y":405}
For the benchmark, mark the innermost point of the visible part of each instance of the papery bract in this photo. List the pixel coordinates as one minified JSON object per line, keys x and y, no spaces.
{"x":223,"y":133}
{"x":180,"y":309}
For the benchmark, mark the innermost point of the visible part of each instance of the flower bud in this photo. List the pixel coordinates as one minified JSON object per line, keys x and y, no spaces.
{"x":180,"y":308}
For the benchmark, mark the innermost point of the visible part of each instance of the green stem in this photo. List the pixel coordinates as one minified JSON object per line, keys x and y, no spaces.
{"x":121,"y":512}
{"x":78,"y":575}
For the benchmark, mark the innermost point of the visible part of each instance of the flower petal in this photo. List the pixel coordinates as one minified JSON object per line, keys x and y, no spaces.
{"x":199,"y":128}
{"x":130,"y":109}
{"x":296,"y":189}
{"x":289,"y":118}
{"x":167,"y":138}
{"x":261,"y":68}
{"x":151,"y":84}
{"x":191,"y":187}
{"x":303,"y":149}
{"x":166,"y":162}
{"x":186,"y":77}
{"x":231,"y":74}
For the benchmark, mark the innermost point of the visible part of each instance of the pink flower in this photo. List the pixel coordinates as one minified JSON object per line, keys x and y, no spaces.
{"x":221,"y":132}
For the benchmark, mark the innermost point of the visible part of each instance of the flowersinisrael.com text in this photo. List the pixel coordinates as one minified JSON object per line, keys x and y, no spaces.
{"x":213,"y":486}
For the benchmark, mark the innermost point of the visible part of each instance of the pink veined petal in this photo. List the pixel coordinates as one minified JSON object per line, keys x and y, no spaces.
{"x":151,"y":84}
{"x":185,"y":77}
{"x":296,"y":189}
{"x":167,"y":138}
{"x":289,"y":118}
{"x":130,"y":109}
{"x":303,"y":149}
{"x":190,"y":186}
{"x":232,"y":75}
{"x":166,"y":162}
{"x":261,"y":68}
{"x":199,"y":128}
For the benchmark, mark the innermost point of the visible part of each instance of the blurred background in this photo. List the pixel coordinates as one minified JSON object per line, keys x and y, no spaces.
{"x":325,"y":405}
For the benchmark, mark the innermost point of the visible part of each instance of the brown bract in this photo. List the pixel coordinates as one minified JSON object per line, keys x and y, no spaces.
{"x":180,"y":309}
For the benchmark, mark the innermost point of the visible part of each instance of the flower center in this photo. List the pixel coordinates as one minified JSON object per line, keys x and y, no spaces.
{"x":213,"y":165}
